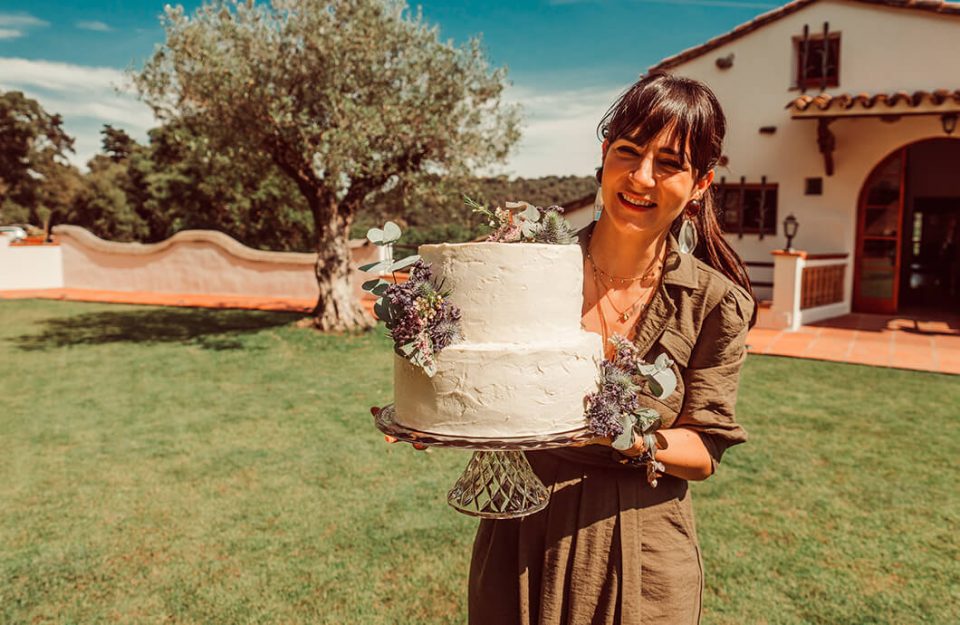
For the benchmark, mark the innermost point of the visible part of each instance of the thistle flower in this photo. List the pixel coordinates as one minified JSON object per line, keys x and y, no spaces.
{"x":421,"y":317}
{"x":619,"y":393}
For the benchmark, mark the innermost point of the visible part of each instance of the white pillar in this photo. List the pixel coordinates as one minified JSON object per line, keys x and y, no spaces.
{"x":787,"y":285}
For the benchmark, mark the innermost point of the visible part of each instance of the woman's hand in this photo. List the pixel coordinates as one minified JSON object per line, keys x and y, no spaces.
{"x":638,"y":448}
{"x":375,"y":410}
{"x":638,"y":445}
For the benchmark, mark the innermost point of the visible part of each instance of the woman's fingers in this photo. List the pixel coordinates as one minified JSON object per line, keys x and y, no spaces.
{"x":394,"y":439}
{"x":375,"y":410}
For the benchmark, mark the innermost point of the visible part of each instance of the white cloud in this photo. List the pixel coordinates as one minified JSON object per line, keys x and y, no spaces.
{"x":559,"y":128}
{"x":15,"y":25}
{"x":559,"y":131}
{"x":93,"y":25}
{"x":21,"y":20}
{"x":86,"y":97}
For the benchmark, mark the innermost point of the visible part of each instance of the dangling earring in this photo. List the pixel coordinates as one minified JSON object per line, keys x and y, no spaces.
{"x":598,"y":204}
{"x":687,"y":240}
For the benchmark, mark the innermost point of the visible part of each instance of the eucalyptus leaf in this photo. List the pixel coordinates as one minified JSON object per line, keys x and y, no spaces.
{"x":371,"y":285}
{"x":408,"y":348}
{"x":381,"y":266}
{"x":404,"y":263}
{"x":381,"y":288}
{"x":646,"y":370}
{"x":655,"y":387}
{"x":529,"y":229}
{"x":648,"y":420}
{"x":430,"y":369}
{"x":391,"y":232}
{"x":662,"y":383}
{"x":375,"y":236}
{"x":531,"y":214}
{"x":382,"y":309}
{"x":625,"y":440}
{"x":663,"y":361}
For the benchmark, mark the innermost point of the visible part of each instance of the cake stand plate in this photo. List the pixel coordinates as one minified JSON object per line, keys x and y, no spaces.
{"x":498,"y":482}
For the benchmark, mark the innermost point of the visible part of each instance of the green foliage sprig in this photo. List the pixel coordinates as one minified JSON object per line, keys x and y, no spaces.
{"x":524,"y":222}
{"x":421,"y":320}
{"x":615,"y":411}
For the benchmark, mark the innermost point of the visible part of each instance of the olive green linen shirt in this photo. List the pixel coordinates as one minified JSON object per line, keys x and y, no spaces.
{"x":700,"y":319}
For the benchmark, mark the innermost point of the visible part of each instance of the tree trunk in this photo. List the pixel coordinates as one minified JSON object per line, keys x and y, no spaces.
{"x":337,"y":308}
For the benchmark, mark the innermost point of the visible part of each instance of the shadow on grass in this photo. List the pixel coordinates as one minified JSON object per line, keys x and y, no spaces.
{"x":211,"y":329}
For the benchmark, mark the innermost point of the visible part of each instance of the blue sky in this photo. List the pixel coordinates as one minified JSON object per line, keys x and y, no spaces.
{"x":567,"y":60}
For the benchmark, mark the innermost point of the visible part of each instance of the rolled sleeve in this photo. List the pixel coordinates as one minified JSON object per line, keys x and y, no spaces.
{"x":713,"y":375}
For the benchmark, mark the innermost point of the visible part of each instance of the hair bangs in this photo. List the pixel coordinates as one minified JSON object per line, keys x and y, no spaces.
{"x":657,"y":105}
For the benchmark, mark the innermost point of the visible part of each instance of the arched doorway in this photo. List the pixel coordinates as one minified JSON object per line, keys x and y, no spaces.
{"x":908,"y":231}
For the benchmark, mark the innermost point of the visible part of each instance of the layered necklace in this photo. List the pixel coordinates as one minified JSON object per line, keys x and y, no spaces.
{"x":637,"y":306}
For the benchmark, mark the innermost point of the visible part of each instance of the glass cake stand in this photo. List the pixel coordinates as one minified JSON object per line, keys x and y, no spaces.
{"x":498,"y":482}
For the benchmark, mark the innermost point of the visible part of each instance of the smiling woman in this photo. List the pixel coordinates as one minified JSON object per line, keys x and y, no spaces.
{"x":611,"y":547}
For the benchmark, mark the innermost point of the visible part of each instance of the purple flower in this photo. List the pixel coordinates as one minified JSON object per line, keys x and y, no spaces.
{"x":421,"y":317}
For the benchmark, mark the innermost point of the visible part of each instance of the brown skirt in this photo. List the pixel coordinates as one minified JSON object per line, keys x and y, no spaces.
{"x":608,"y":549}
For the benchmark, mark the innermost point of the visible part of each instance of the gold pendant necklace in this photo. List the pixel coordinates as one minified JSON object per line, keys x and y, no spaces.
{"x":622,"y":315}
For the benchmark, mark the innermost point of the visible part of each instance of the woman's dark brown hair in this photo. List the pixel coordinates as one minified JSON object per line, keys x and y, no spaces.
{"x":692,"y":113}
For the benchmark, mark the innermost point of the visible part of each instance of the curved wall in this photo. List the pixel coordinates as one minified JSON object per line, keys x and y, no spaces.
{"x":195,"y":262}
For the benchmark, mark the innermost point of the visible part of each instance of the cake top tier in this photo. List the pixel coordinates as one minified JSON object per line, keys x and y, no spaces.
{"x":511,"y":292}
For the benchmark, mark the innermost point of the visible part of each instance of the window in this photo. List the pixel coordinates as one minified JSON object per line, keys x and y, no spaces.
{"x":818,"y":61}
{"x":747,"y":208}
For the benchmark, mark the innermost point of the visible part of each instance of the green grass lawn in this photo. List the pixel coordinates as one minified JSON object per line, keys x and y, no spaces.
{"x":163,"y":465}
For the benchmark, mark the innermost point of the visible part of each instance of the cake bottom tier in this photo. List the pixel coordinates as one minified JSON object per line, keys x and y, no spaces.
{"x":500,"y":390}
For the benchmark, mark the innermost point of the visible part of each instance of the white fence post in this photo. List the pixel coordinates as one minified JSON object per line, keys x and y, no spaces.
{"x":787,"y":285}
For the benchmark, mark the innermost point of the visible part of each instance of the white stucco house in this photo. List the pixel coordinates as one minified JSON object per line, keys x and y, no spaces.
{"x":842,"y":113}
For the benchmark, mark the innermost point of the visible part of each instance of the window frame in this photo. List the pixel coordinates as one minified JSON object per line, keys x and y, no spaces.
{"x":769,"y":227}
{"x":814,"y":83}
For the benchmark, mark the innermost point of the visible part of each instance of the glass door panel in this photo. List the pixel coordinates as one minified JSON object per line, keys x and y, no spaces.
{"x":881,"y":221}
{"x":877,"y":270}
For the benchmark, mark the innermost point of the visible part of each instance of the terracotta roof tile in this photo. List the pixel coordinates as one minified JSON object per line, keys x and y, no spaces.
{"x":932,"y":6}
{"x":845,"y":101}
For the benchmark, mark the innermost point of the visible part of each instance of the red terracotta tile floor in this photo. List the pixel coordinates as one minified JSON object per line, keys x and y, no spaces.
{"x":926,"y":342}
{"x":919,"y":340}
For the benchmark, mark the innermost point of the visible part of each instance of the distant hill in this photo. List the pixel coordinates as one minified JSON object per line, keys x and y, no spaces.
{"x":447,"y":219}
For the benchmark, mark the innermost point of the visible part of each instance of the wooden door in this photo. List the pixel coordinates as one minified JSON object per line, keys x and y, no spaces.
{"x":876,"y":279}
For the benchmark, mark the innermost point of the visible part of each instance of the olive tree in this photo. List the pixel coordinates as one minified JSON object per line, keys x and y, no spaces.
{"x":345,"y":97}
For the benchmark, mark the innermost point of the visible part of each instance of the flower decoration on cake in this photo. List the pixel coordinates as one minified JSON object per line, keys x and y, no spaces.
{"x":522,"y":222}
{"x":614,"y":410}
{"x":420,"y":318}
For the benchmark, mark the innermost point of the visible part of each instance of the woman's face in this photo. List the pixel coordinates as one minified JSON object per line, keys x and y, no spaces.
{"x":645,"y":187}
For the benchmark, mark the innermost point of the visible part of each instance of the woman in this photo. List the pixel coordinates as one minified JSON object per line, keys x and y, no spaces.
{"x":610,"y":548}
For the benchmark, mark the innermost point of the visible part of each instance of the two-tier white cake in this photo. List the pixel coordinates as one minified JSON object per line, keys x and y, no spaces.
{"x":524,"y":365}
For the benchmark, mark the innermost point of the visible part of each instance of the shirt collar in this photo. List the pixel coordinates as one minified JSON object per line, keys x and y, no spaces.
{"x":678,"y":269}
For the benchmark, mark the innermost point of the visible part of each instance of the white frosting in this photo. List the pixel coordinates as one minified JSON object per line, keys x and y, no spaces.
{"x":497,"y":390}
{"x":524,"y":366}
{"x":511,"y":292}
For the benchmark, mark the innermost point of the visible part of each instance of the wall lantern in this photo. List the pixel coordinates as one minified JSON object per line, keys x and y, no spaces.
{"x":949,"y":121}
{"x":790,"y":225}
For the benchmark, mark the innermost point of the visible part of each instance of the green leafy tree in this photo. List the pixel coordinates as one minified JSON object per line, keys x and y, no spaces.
{"x":344,"y":97}
{"x":181,"y":181}
{"x":117,"y":144}
{"x":33,"y":148}
{"x":103,"y":204}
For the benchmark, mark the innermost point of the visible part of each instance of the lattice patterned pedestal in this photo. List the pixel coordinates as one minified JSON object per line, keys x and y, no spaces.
{"x":498,"y":482}
{"x":498,"y":485}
